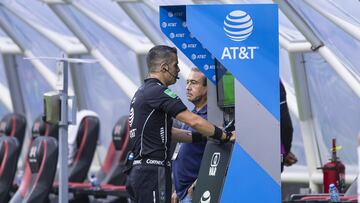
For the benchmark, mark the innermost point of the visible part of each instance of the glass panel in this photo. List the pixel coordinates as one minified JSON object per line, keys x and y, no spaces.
{"x":346,"y":47}
{"x":2,"y":33}
{"x":39,"y":13}
{"x":335,"y":107}
{"x":3,"y":82}
{"x":286,"y":77}
{"x":297,"y":147}
{"x":349,"y":9}
{"x":288,"y":30}
{"x":33,"y":87}
{"x":112,"y":12}
{"x":105,"y":98}
{"x":150,"y":16}
{"x":31,"y":39}
{"x":3,"y":79}
{"x":120,"y":55}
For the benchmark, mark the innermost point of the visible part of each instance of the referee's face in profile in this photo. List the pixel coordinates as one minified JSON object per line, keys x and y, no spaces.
{"x":171,"y":69}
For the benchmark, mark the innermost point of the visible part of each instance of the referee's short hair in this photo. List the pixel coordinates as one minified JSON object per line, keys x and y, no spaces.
{"x":159,"y":54}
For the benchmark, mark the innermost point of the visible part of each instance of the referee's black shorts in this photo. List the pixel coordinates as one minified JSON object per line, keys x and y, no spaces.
{"x":149,"y":183}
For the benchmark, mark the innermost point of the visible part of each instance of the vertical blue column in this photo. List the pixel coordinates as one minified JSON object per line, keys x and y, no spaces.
{"x":243,"y":38}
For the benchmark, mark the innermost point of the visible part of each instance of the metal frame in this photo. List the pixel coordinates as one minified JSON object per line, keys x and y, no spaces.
{"x":348,"y":27}
{"x":294,"y":46}
{"x":301,"y":90}
{"x":120,"y":34}
{"x":47,"y":74}
{"x":11,"y":72}
{"x":305,"y":116}
{"x":149,"y":31}
{"x":70,"y":48}
{"x":77,"y":76}
{"x":6,"y":97}
{"x":73,"y":48}
{"x":127,"y":86}
{"x":349,"y":77}
{"x":7,"y":47}
{"x":124,"y":37}
{"x":326,"y":53}
{"x":307,"y":126}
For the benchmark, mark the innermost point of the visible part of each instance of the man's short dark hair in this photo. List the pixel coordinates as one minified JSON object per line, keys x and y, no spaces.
{"x":195,"y":69}
{"x":159,"y":54}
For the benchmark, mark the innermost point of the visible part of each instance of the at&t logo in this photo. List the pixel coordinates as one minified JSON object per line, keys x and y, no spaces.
{"x":238,"y":26}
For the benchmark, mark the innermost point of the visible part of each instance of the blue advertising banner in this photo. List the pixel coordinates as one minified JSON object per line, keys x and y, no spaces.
{"x":173,"y":24}
{"x":244,"y":39}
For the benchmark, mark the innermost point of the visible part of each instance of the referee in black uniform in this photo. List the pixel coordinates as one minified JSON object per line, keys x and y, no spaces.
{"x":151,"y":111}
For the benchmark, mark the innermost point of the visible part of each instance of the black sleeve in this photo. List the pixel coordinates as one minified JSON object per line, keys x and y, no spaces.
{"x":282,"y":92}
{"x":165,"y":99}
{"x":286,"y":127}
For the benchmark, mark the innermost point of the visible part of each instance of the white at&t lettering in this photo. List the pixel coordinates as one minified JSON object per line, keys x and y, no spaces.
{"x":180,"y":35}
{"x":178,"y":14}
{"x":239,"y":52}
{"x":171,"y":24}
{"x":201,"y":56}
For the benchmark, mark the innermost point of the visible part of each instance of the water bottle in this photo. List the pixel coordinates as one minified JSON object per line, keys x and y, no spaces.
{"x":334,"y":194}
{"x":18,"y":178}
{"x":131,"y":156}
{"x":94,"y":182}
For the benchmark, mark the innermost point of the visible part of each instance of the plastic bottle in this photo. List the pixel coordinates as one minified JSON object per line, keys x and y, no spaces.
{"x":334,"y":194}
{"x":18,"y":178}
{"x":94,"y":182}
{"x":131,"y":156}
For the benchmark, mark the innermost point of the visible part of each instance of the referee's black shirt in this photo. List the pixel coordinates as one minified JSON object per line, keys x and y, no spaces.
{"x":150,"y":119}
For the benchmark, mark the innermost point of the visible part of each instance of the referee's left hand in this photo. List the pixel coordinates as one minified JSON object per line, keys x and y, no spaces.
{"x":233,"y":137}
{"x":228,"y":137}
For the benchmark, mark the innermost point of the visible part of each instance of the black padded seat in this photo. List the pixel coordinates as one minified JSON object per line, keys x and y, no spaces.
{"x":9,"y":147}
{"x":117,"y":153}
{"x":42,"y":128}
{"x":111,"y":174}
{"x":13,"y":125}
{"x":42,"y":158}
{"x":86,"y":141}
{"x":39,"y":129}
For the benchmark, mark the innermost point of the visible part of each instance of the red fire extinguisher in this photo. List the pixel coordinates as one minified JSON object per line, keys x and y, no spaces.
{"x":334,"y":171}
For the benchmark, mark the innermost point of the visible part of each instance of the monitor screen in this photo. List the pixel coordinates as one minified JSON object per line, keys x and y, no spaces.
{"x":224,"y":87}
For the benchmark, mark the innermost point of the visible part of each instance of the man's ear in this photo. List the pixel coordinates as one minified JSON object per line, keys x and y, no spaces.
{"x":164,"y":67}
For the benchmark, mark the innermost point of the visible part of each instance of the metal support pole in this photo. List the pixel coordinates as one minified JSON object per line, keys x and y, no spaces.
{"x":11,"y":72}
{"x":63,"y":136}
{"x":300,"y":24}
